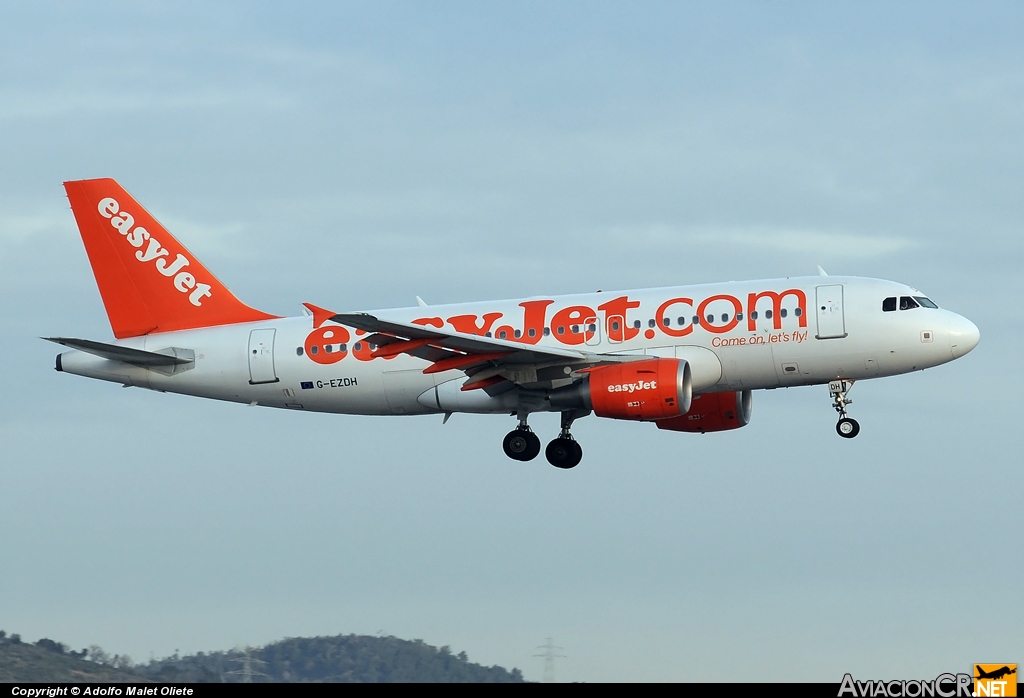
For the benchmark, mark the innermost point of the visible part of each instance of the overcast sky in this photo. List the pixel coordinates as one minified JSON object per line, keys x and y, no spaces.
{"x":357,"y":155}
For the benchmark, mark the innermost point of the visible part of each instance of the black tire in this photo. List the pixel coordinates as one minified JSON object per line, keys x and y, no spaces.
{"x":533,"y":450}
{"x":564,"y":453}
{"x":847,"y":428}
{"x":521,"y":445}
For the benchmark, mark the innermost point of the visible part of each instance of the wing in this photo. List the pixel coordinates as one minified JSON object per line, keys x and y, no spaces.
{"x":491,"y":364}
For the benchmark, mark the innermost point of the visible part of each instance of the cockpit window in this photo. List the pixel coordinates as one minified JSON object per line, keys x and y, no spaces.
{"x":926,"y":302}
{"x":908,"y":303}
{"x":889,"y":304}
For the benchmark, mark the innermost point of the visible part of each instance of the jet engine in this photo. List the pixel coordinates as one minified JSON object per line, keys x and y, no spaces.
{"x":713,"y":412}
{"x":646,"y":390}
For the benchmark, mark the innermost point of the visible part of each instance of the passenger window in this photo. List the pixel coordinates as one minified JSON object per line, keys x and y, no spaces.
{"x":889,"y":304}
{"x":327,"y":348}
{"x":739,"y":317}
{"x":711,"y":319}
{"x":696,"y":319}
{"x":298,"y":351}
{"x":926,"y":302}
{"x":725,"y":317}
{"x":636,"y":324}
{"x":314,"y":349}
{"x":615,"y":325}
{"x":502,"y":334}
{"x":798,"y":312}
{"x":591,"y":327}
{"x":768,"y":314}
{"x":651,"y":323}
{"x":532,"y":332}
{"x":575,"y":329}
{"x":667,"y":321}
{"x":547,"y":331}
{"x":561,"y":329}
{"x":517,"y":334}
{"x":908,"y":303}
{"x":681,"y":320}
{"x":783,"y":312}
{"x":343,"y":347}
{"x":753,"y":314}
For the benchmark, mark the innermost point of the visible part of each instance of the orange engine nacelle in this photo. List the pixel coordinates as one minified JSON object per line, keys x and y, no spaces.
{"x":713,"y":412}
{"x":644,"y":390}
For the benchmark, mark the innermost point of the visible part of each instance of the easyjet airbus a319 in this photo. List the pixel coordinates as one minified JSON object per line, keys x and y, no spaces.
{"x":684,"y":358}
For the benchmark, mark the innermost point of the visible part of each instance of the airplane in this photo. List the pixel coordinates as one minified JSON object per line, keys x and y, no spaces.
{"x":684,"y":358}
{"x":995,"y":674}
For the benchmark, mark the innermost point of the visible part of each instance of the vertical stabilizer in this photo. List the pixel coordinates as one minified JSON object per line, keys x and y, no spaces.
{"x":148,"y":281}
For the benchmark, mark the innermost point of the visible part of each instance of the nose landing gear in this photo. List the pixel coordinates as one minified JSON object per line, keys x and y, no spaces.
{"x":846,"y":426}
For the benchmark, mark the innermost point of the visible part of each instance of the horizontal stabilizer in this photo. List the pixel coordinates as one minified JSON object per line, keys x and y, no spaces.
{"x":172,"y":356}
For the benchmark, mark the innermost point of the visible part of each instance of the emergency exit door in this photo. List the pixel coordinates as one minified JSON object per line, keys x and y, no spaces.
{"x":261,"y":357}
{"x":829,"y":309}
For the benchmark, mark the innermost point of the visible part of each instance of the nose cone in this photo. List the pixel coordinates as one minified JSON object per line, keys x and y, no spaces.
{"x":963,"y":336}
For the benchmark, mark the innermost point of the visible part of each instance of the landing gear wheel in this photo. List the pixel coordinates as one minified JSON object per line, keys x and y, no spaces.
{"x":847,"y":428}
{"x":564,"y":452}
{"x":521,"y":444}
{"x":839,"y":390}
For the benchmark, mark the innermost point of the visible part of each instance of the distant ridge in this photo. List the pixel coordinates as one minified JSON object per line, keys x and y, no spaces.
{"x":49,"y":662}
{"x":337,"y":659}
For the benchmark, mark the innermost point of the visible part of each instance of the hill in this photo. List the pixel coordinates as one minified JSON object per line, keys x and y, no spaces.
{"x":337,"y":659}
{"x":48,"y":661}
{"x":342,"y":658}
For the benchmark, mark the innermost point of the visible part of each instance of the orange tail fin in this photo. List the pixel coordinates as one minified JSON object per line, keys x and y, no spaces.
{"x":148,"y":281}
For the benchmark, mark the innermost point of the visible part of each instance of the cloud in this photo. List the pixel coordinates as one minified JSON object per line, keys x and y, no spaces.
{"x":20,"y":228}
{"x":781,"y":239}
{"x":209,"y":238}
{"x":45,"y":104}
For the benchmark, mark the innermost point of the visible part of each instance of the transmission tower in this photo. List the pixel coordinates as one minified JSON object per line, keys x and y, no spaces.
{"x":247,"y":671}
{"x":550,"y":654}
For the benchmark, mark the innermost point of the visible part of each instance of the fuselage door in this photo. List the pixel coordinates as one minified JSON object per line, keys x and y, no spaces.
{"x":261,"y":357}
{"x":829,"y":309}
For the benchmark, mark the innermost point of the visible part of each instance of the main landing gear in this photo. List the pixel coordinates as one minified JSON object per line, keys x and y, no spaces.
{"x":845,"y":427}
{"x":563,"y":452}
{"x":521,"y":443}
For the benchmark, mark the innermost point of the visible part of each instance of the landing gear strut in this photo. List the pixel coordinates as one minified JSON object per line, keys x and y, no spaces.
{"x":845,"y":427}
{"x":521,"y":443}
{"x":564,"y":452}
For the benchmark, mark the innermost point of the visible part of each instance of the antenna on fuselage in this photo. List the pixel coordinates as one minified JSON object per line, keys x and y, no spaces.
{"x":822,"y":272}
{"x":422,"y":303}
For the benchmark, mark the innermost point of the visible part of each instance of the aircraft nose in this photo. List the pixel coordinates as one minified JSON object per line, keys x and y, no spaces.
{"x":963,"y":336}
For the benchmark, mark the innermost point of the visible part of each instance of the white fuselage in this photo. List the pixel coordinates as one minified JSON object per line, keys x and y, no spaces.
{"x":818,"y":329}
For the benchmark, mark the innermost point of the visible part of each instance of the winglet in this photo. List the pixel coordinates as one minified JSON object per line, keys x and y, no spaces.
{"x":320,"y":315}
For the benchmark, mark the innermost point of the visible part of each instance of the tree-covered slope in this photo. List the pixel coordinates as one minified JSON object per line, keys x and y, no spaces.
{"x":342,"y":658}
{"x":48,"y":661}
